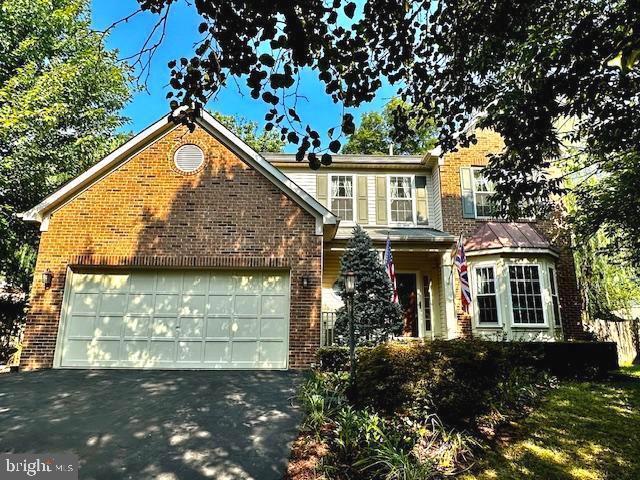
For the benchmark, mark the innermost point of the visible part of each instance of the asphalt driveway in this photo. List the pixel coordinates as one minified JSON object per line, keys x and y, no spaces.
{"x":163,"y":424}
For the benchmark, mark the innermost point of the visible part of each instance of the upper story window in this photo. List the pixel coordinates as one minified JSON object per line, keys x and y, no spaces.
{"x":482,"y":190}
{"x":526,"y":295}
{"x":486,"y":295}
{"x":342,"y":196}
{"x":401,"y":199}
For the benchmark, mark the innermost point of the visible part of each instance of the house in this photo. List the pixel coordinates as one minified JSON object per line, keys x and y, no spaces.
{"x":187,"y":249}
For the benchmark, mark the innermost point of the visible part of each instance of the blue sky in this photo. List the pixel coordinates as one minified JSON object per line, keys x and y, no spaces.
{"x":147,"y":106}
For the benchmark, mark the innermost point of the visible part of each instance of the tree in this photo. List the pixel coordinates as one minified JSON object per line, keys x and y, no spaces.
{"x":377,"y":132}
{"x":512,"y":66}
{"x":375,"y":315}
{"x":60,"y":97}
{"x":250,"y":133}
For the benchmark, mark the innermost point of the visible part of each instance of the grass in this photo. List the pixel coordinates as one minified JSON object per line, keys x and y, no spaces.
{"x":583,"y":430}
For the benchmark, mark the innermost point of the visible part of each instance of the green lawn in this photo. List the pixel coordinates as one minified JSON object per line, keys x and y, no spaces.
{"x":582,"y":431}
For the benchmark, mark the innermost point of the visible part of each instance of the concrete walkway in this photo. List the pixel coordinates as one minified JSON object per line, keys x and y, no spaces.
{"x":154,"y":424}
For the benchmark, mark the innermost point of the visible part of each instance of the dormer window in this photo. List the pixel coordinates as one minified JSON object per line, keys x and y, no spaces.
{"x":342,"y":197}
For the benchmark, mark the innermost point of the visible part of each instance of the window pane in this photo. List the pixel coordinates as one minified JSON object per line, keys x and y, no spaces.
{"x":526,"y":297}
{"x":401,"y":211}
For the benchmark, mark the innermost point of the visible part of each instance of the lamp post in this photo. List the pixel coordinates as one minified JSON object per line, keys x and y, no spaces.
{"x":350,"y":288}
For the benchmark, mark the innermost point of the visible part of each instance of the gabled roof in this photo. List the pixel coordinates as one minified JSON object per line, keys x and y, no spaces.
{"x":41,"y":212}
{"x":512,"y":236}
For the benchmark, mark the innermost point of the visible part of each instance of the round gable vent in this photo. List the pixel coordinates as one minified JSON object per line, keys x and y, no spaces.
{"x":188,"y":158}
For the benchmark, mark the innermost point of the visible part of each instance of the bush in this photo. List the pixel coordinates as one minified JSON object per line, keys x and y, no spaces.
{"x":336,"y":359}
{"x":458,"y":379}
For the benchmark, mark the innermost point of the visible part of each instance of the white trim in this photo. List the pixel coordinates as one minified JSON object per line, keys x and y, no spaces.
{"x":354,"y":193}
{"x":413,"y":222}
{"x":474,"y":296}
{"x":554,"y":276}
{"x":521,"y":250}
{"x":221,"y":133}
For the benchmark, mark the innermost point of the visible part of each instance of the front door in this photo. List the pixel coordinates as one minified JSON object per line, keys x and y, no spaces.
{"x":408,"y":298}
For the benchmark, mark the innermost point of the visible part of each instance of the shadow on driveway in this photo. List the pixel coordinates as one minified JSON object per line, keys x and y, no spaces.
{"x":154,"y":424}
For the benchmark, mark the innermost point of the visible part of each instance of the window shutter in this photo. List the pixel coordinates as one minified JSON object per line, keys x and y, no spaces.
{"x":321,"y":188}
{"x":466,"y":192}
{"x":363,"y":204}
{"x":381,"y":200}
{"x":421,"y":200}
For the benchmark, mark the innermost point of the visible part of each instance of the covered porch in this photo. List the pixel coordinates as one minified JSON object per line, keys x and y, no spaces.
{"x":424,"y":282}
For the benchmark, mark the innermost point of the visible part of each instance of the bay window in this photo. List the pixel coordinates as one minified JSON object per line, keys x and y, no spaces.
{"x":526,"y":295}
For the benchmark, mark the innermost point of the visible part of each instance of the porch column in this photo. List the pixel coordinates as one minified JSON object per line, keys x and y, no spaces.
{"x":449,"y":320}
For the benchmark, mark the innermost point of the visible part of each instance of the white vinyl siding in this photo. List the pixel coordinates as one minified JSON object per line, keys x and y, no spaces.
{"x":175,"y":319}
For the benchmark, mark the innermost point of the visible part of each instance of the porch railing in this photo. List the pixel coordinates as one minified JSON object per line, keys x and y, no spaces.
{"x":327,"y":335}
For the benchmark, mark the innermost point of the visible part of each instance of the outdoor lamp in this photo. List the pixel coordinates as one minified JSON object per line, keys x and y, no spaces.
{"x":350,"y":288}
{"x":350,"y":283}
{"x":47,"y":278}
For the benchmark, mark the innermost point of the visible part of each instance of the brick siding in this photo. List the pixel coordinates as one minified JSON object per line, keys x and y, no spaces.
{"x":146,"y":213}
{"x":454,"y":223}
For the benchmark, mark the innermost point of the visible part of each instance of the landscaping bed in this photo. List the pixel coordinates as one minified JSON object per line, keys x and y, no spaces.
{"x":417,"y":411}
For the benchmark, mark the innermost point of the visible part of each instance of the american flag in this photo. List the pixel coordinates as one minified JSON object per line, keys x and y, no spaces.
{"x":463,"y":274}
{"x":391,"y":269}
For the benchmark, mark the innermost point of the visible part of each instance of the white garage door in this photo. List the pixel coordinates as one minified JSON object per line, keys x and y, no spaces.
{"x":175,"y":319}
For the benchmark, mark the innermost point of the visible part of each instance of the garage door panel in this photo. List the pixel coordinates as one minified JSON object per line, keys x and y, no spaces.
{"x":143,"y":282}
{"x":245,"y":327}
{"x":136,"y":326}
{"x":244,"y":352}
{"x":136,"y":352}
{"x":195,"y":283}
{"x":217,"y":352}
{"x":141,"y":303}
{"x":220,"y":304}
{"x":221,"y":283}
{"x":109,"y":326}
{"x":193,"y":305}
{"x":176,"y":319}
{"x":164,"y":327}
{"x":190,"y":352}
{"x":246,"y":304}
{"x":169,"y":282}
{"x":115,"y":282}
{"x":80,"y":326}
{"x":191,"y":328}
{"x":272,"y":352}
{"x":87,"y":282}
{"x":218,"y":327}
{"x":162,"y":351}
{"x":275,"y":283}
{"x":104,"y":351}
{"x":275,"y":327}
{"x":273,"y":304}
{"x":248,"y":283}
{"x":113,"y":303}
{"x":86,"y":303}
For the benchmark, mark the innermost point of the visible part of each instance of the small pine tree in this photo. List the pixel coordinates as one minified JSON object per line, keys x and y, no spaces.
{"x":375,"y":315}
